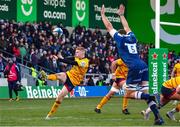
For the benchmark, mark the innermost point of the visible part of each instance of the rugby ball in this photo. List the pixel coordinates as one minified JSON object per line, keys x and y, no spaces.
{"x":57,"y":31}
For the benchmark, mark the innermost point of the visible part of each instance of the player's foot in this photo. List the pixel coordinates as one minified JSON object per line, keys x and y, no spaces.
{"x":170,"y":115}
{"x":175,"y":102}
{"x":47,"y":117}
{"x":159,"y":121}
{"x":97,"y":110}
{"x":125,"y":111}
{"x":43,"y":74}
{"x":10,"y":100}
{"x":17,"y":98}
{"x":145,"y":115}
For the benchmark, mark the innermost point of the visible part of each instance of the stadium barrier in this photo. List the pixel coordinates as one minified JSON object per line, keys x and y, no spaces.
{"x":3,"y":82}
{"x":33,"y":92}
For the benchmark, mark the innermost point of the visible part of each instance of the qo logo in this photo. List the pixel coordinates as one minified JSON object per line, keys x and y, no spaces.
{"x":28,"y":10}
{"x":168,"y":8}
{"x":82,"y":91}
{"x":80,"y":10}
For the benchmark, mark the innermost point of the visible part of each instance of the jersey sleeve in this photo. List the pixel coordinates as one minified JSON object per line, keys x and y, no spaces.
{"x":115,"y":35}
{"x":82,"y":63}
{"x":132,"y":35}
{"x":175,"y":67}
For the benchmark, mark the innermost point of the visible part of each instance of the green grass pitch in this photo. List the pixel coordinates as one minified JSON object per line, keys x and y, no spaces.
{"x":76,"y":112}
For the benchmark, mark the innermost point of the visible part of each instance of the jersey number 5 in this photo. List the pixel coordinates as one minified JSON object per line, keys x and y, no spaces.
{"x":131,"y":48}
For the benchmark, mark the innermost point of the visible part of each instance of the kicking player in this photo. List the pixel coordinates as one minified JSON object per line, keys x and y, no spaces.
{"x":137,"y":69}
{"x":71,"y":78}
{"x":170,"y":90}
{"x":119,"y":70}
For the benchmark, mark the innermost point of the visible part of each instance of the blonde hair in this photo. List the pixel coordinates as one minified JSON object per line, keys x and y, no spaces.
{"x":80,"y":48}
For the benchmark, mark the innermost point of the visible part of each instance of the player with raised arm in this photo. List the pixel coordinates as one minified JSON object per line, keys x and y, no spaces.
{"x":71,"y":78}
{"x":119,"y":73}
{"x":137,"y":69}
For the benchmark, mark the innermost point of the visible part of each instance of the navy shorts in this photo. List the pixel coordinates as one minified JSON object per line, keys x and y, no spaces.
{"x":118,"y":80}
{"x":136,"y":76}
{"x":166,"y":92}
{"x":68,"y":84}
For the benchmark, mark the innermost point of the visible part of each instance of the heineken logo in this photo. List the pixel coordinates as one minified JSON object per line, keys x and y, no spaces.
{"x":158,"y":69}
{"x":164,"y":64}
{"x":42,"y":92}
{"x":154,"y":77}
{"x":28,"y":10}
{"x":168,"y":8}
{"x":154,"y":56}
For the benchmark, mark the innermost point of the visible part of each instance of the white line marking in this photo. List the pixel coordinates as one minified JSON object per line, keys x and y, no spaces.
{"x":170,"y":23}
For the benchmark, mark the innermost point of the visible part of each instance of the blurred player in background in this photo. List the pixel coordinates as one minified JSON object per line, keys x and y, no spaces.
{"x":176,"y":73}
{"x":170,"y":90}
{"x":71,"y":78}
{"x":176,"y":69}
{"x":119,"y":74}
{"x":137,"y":69}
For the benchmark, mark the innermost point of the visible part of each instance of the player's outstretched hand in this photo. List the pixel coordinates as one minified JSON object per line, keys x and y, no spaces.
{"x":121,"y":9}
{"x":103,"y":10}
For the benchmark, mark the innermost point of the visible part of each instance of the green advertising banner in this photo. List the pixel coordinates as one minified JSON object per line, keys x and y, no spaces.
{"x":7,"y":9}
{"x":141,"y":19}
{"x":111,"y":7}
{"x":80,"y":12}
{"x":33,"y":92}
{"x":26,"y":10}
{"x":55,"y":11}
{"x":158,"y":69}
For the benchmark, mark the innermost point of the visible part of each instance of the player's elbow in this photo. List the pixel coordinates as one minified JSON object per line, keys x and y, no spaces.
{"x":113,"y":65}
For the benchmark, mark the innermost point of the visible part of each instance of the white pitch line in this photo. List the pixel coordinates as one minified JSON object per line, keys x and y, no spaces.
{"x":170,"y":23}
{"x":22,"y":108}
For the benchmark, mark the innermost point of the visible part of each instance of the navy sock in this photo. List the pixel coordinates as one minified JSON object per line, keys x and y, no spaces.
{"x":154,"y":109}
{"x":145,"y":96}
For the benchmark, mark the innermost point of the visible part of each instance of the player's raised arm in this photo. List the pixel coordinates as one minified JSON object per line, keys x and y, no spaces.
{"x":106,"y":22}
{"x":124,"y":22}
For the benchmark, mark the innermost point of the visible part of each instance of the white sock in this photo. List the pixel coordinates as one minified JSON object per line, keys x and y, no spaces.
{"x":148,"y":110}
{"x":173,"y":110}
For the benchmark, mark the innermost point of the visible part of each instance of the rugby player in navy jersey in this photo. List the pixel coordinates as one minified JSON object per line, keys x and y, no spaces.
{"x":137,"y":69}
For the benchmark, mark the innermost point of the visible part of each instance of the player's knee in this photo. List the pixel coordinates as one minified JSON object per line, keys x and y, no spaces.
{"x":114,"y":89}
{"x":178,"y":89}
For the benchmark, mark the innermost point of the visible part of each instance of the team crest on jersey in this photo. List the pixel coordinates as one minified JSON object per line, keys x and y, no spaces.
{"x":83,"y":63}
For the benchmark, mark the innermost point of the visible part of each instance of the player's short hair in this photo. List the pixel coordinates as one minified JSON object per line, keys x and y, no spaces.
{"x":80,"y":48}
{"x":122,"y":31}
